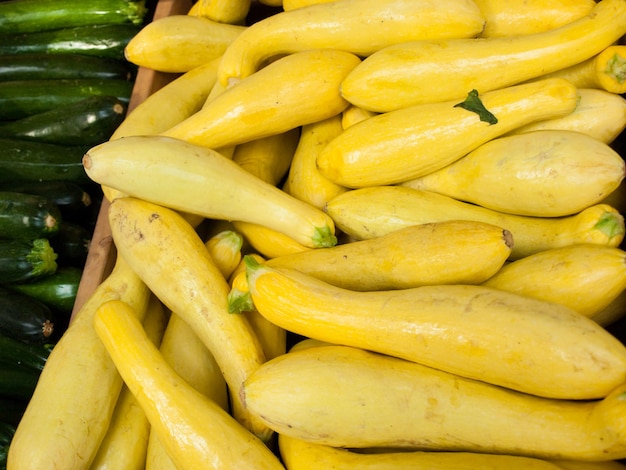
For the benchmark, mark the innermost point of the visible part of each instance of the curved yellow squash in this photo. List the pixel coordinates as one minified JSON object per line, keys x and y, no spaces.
{"x":346,"y":397}
{"x":542,"y":348}
{"x":404,"y":74}
{"x":196,"y":432}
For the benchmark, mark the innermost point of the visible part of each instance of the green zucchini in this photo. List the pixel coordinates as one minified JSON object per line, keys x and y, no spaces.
{"x":23,"y":160}
{"x":104,"y":40}
{"x":23,"y":260}
{"x":16,"y":353}
{"x":57,"y":291}
{"x":11,"y":412}
{"x":17,"y":382}
{"x":88,"y":122}
{"x":24,"y":318}
{"x":22,"y":98}
{"x":71,"y":244}
{"x":28,"y":16}
{"x":26,"y":216}
{"x":7,"y":431}
{"x":72,"y":199}
{"x":39,"y":66}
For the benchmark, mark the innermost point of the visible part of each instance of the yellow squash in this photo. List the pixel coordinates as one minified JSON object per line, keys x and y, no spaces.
{"x":223,"y":11}
{"x":69,"y":413}
{"x":196,"y":432}
{"x":353,"y":114}
{"x":372,"y":212}
{"x":268,"y":158}
{"x":545,"y":173}
{"x":358,"y":26}
{"x":299,"y":454}
{"x":126,"y":441}
{"x":403,"y":75}
{"x":292,"y":91}
{"x":268,"y":242}
{"x":518,"y":17}
{"x":347,"y":397}
{"x":408,"y":143}
{"x":198,"y":180}
{"x":224,"y":247}
{"x":304,"y":180}
{"x":599,"y":114}
{"x":451,"y":252}
{"x":541,"y":348}
{"x":180,"y":43}
{"x":605,"y":71}
{"x":584,"y":277}
{"x":182,"y":97}
{"x":166,"y":252}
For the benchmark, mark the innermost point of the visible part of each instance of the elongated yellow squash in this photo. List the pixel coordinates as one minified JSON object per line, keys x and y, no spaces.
{"x":517,"y":17}
{"x":182,"y":97}
{"x":353,"y":114}
{"x":584,"y":277}
{"x":222,"y":11}
{"x":408,"y":143}
{"x":126,"y":441}
{"x":403,"y":75}
{"x":358,"y":26}
{"x":542,"y":348}
{"x":451,"y":252}
{"x":180,"y":43}
{"x":371,"y":212}
{"x":69,"y":413}
{"x":196,"y":432}
{"x":166,"y":252}
{"x":299,"y":454}
{"x":599,"y":114}
{"x":304,"y":180}
{"x":347,"y":397}
{"x":198,"y":180}
{"x":545,"y":173}
{"x":272,"y":100}
{"x":605,"y":71}
{"x":268,"y":242}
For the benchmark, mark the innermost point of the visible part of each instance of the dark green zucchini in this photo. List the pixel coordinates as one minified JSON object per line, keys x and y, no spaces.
{"x":57,"y":291}
{"x":106,"y":41}
{"x":23,"y":260}
{"x":11,"y":411}
{"x":26,"y":216}
{"x":16,"y":353}
{"x":24,"y":318}
{"x":28,"y":16}
{"x":71,"y":244}
{"x":23,"y":160}
{"x":74,"y":201}
{"x":7,"y":431}
{"x":17,"y":382}
{"x":22,"y":98}
{"x":88,"y":122}
{"x":38,"y":66}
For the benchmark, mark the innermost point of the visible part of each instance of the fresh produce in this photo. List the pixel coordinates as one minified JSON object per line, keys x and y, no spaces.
{"x":345,"y":25}
{"x":397,"y":146}
{"x":253,"y":201}
{"x":195,"y":430}
{"x":85,"y":122}
{"x":22,"y":98}
{"x":25,"y":318}
{"x":553,"y":173}
{"x":371,"y":212}
{"x":22,"y":260}
{"x":26,"y":216}
{"x":401,"y":75}
{"x":30,"y":16}
{"x":205,"y":171}
{"x":348,"y":397}
{"x":17,"y":353}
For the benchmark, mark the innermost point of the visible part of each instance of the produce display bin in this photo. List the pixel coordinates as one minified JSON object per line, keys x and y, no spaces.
{"x":101,"y":257}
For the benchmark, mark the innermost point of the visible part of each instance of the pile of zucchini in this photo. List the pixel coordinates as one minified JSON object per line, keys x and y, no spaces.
{"x":64,"y":87}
